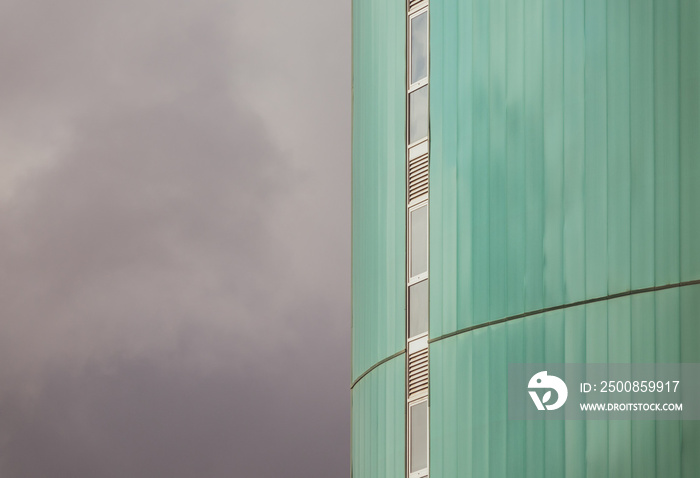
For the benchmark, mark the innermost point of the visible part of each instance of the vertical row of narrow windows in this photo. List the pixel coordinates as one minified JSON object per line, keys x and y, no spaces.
{"x":417,"y":238}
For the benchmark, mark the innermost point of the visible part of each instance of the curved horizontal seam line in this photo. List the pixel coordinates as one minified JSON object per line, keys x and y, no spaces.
{"x":382,"y":361}
{"x":565,"y":306}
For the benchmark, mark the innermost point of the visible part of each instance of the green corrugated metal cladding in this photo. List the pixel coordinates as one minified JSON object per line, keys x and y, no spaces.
{"x":565,"y":166}
{"x":378,"y":237}
{"x":378,"y":182}
{"x":378,"y":422}
{"x":471,"y":435}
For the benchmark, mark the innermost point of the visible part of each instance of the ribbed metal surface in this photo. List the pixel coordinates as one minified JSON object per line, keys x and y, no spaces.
{"x":564,"y":167}
{"x":378,"y":238}
{"x":379,"y":422}
{"x":418,"y":373}
{"x":468,"y":393}
{"x":418,"y":178}
{"x":564,"y":151}
{"x":378,"y":182}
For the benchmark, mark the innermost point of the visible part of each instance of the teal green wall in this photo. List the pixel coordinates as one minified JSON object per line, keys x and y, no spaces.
{"x":565,"y":165}
{"x":565,"y":155}
{"x":378,"y":422}
{"x":471,"y":435}
{"x":378,"y":182}
{"x":378,"y":238}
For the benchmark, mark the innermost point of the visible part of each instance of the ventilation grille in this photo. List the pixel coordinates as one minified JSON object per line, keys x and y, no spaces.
{"x":418,"y":372}
{"x":417,"y":177}
{"x":413,"y":2}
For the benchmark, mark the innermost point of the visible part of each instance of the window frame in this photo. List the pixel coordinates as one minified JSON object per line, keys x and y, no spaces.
{"x":411,"y":338}
{"x":423,"y":81}
{"x":423,"y":472}
{"x":414,"y":279}
{"x":426,"y":137}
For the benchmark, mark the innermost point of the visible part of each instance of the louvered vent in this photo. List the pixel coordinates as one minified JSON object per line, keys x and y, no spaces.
{"x":417,"y":177}
{"x":418,"y":372}
{"x":413,"y":2}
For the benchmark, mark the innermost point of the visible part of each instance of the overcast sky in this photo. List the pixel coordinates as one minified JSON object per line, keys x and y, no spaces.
{"x":174,"y":238}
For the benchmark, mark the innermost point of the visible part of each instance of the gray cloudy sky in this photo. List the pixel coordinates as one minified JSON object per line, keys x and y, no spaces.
{"x":174,"y":238}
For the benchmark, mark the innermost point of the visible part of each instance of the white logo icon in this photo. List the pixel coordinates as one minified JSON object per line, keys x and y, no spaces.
{"x":542,"y":380}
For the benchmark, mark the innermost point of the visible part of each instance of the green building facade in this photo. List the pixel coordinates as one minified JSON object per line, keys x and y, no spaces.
{"x":564,"y":206}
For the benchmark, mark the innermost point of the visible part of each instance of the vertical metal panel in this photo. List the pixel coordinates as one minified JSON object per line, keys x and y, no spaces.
{"x":515,"y":157}
{"x":573,"y":157}
{"x":620,"y":432}
{"x":666,"y":144}
{"x":690,"y":137}
{"x":690,"y":352}
{"x":480,"y":169}
{"x":618,"y":141}
{"x":553,"y":170}
{"x":595,"y":132}
{"x":378,"y":182}
{"x":378,"y":422}
{"x":532,"y":119}
{"x":464,"y":195}
{"x":471,"y":435}
{"x":496,"y":177}
{"x":436,"y":133}
{"x":554,"y":350}
{"x":668,"y":349}
{"x":641,"y":114}
{"x":444,"y":127}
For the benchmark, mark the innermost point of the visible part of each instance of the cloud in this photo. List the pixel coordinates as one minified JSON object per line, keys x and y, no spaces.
{"x":156,"y":213}
{"x":145,"y":418}
{"x":174,"y":253}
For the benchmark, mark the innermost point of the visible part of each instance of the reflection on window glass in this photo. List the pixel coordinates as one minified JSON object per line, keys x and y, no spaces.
{"x":418,"y":114}
{"x":419,"y":47}
{"x":418,"y":308}
{"x":419,"y":241}
{"x":419,"y":436}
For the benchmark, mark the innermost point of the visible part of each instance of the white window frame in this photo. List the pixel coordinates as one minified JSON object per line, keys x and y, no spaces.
{"x":408,"y":117}
{"x":422,"y":82}
{"x":424,"y":275}
{"x":413,"y":338}
{"x":423,"y":472}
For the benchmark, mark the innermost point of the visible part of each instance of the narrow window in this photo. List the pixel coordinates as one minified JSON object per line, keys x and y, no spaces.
{"x":418,"y":219}
{"x":418,"y":429}
{"x":418,"y":308}
{"x":418,"y":114}
{"x":419,"y":47}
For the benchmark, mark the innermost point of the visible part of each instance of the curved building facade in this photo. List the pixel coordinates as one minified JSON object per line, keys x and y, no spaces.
{"x":562,"y":163}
